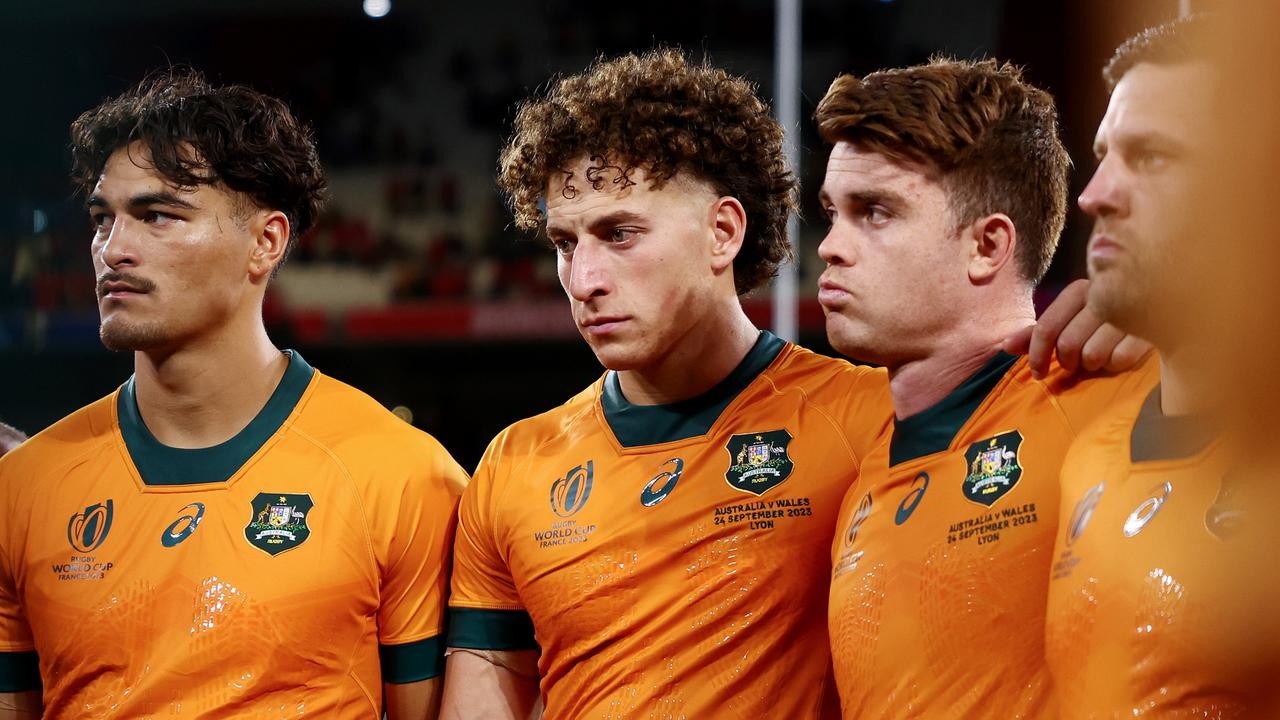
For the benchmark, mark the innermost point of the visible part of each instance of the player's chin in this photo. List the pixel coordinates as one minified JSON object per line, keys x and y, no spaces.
{"x":848,"y":337}
{"x":120,"y":335}
{"x":617,"y":355}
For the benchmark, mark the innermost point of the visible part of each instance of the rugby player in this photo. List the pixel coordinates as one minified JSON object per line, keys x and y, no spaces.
{"x":946,"y":191}
{"x":1162,"y":597}
{"x":230,"y":533}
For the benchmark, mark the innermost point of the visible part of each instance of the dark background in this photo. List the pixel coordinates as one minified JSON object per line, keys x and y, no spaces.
{"x":409,"y":111}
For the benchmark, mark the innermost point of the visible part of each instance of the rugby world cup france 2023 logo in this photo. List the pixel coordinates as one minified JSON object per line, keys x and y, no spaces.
{"x":570,"y":493}
{"x":87,"y":530}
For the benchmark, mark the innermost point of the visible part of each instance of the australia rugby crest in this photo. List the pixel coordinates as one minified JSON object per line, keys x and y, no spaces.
{"x":758,"y":462}
{"x":279,"y":521}
{"x":994,"y":467}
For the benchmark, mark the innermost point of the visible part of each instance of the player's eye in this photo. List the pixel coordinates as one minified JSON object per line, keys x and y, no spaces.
{"x":621,"y":235}
{"x":100,"y":222}
{"x":1151,"y":161}
{"x":563,"y":246}
{"x":876,"y":214}
{"x":155,"y":217}
{"x":831,"y":214}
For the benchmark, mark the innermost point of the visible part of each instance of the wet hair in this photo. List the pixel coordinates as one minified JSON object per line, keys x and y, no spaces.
{"x":197,"y":134}
{"x":991,"y":136}
{"x":671,"y":117}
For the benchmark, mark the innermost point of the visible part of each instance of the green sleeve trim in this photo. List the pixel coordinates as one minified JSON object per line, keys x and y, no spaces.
{"x":413,"y":661}
{"x":491,"y":629}
{"x":19,"y":671}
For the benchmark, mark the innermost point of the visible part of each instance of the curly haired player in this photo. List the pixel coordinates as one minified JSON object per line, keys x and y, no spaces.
{"x":659,"y":537}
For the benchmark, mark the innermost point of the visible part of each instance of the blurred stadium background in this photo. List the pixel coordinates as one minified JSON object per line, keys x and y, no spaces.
{"x":414,"y":287}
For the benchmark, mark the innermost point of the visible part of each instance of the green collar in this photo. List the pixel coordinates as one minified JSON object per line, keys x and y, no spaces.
{"x":1157,"y":436}
{"x":640,"y":425}
{"x":159,"y":464}
{"x":932,"y":430}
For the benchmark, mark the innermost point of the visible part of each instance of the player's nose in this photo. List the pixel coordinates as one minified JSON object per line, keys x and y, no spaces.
{"x":588,"y":272}
{"x":120,"y":247}
{"x":836,"y":247}
{"x":1105,"y":193}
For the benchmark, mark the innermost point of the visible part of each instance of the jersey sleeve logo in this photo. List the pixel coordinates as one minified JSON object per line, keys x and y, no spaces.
{"x":87,"y":530}
{"x":278,"y":521}
{"x":758,"y":462}
{"x":994,"y":468}
{"x":570,"y":493}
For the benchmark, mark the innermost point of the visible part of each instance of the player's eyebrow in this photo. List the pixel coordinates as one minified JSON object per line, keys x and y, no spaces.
{"x":862,"y":198}
{"x":615,"y":218}
{"x":604,"y":222}
{"x":162,"y":197}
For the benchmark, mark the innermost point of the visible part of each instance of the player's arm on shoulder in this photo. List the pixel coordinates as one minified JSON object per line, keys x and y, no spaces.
{"x":1080,"y":338}
{"x":491,"y":685}
{"x":414,"y":700}
{"x":20,"y":705}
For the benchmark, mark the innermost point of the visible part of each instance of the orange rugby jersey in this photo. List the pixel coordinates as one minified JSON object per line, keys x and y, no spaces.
{"x":670,"y":560}
{"x":941,"y":558}
{"x":260,"y":578}
{"x":1163,"y":592}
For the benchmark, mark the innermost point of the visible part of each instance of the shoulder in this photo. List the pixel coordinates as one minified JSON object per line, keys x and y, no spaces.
{"x":567,"y":422}
{"x":63,"y":444}
{"x":1085,"y":396}
{"x":360,"y":433}
{"x":823,"y":376}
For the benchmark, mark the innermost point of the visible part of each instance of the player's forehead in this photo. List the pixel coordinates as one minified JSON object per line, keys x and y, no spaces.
{"x":590,"y":188}
{"x":1159,"y":101}
{"x":130,"y":173}
{"x":853,"y":170}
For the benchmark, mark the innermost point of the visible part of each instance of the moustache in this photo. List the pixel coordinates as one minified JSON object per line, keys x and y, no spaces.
{"x":133,"y":282}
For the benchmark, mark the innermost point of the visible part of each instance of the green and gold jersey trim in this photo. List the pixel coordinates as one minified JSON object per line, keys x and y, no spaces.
{"x":1157,"y":436}
{"x":640,"y":425}
{"x":159,"y":464}
{"x":933,"y":430}
{"x":491,"y":629}
{"x":412,"y":661}
{"x":19,"y":671}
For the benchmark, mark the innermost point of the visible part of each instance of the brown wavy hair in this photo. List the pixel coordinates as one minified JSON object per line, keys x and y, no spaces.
{"x":991,"y":135}
{"x":660,"y":112}
{"x":198,"y":134}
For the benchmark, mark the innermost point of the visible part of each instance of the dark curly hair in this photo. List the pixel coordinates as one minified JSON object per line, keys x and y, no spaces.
{"x":662,"y":113}
{"x":1181,"y":40}
{"x":197,"y":134}
{"x":991,"y":135}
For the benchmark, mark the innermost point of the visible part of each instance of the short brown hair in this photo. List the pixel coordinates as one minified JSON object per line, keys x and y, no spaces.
{"x":992,"y":136}
{"x":1176,"y":41}
{"x":203,"y":135}
{"x":662,"y":113}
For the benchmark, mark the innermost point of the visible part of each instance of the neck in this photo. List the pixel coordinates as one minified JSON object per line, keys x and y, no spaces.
{"x":708,"y":352}
{"x":203,"y":393}
{"x":920,"y":383}
{"x":1183,"y":373}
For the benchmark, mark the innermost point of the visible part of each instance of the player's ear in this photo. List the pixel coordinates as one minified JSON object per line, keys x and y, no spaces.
{"x":270,"y":229}
{"x":992,"y":241}
{"x":728,"y":228}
